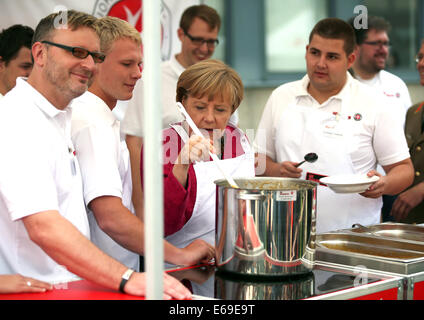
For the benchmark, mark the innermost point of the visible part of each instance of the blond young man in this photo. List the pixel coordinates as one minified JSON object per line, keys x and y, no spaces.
{"x":103,"y":155}
{"x":40,"y":182}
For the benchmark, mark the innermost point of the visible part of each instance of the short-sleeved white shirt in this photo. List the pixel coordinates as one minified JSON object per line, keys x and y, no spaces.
{"x":171,"y":70}
{"x":38,"y":172}
{"x":393,"y":89}
{"x":105,"y":166}
{"x":380,"y":137}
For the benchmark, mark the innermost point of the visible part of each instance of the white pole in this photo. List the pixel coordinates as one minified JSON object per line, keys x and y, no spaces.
{"x":153,"y":178}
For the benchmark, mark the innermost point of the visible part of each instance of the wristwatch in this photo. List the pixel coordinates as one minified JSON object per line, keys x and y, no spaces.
{"x":125,"y":277}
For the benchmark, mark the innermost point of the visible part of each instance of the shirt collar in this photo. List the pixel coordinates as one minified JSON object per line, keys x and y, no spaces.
{"x":176,"y":66}
{"x":39,"y":100}
{"x":97,"y":105}
{"x":303,"y":90}
{"x":372,"y":81}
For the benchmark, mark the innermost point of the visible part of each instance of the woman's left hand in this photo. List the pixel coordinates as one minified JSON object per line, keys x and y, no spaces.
{"x":16,"y":283}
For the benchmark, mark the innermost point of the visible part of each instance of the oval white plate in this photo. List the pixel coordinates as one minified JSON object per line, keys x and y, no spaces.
{"x":349,"y":183}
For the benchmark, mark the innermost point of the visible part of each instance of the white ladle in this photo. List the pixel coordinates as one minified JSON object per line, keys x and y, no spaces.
{"x":214,"y":157}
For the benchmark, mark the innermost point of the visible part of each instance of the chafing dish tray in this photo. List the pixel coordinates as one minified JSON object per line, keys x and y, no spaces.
{"x":398,"y":231}
{"x":372,"y":252}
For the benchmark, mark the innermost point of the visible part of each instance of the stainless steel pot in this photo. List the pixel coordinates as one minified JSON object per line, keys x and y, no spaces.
{"x":266,"y":227}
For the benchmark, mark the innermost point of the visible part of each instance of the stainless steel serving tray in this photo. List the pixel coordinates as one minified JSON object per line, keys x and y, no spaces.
{"x":398,"y":231}
{"x":373,"y":252}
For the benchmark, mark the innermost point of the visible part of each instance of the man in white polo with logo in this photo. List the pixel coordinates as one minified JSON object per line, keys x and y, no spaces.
{"x":372,"y":52}
{"x":44,"y":230}
{"x":330,"y":113}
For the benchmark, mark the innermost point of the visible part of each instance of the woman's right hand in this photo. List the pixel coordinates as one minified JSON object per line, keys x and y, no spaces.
{"x":196,"y":149}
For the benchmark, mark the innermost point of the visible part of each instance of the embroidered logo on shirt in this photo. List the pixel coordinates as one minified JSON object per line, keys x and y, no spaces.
{"x":357,"y":117}
{"x":397,"y":94}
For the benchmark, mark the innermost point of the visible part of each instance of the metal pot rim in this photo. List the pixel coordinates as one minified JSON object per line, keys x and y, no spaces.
{"x":302,"y":184}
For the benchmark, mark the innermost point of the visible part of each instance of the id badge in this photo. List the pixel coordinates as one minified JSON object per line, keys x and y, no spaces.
{"x":332,"y":128}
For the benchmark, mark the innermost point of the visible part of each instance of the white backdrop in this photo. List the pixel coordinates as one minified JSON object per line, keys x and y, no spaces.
{"x":29,"y":12}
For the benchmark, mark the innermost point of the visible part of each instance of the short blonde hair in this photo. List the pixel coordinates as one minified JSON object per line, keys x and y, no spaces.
{"x":211,"y":78}
{"x":110,"y":29}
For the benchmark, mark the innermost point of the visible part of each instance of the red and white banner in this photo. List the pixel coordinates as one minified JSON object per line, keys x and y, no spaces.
{"x":29,"y":12}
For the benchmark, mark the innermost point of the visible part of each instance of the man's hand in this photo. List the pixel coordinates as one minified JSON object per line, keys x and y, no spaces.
{"x":172,"y":288}
{"x":376,"y":190}
{"x":406,"y":201}
{"x":288,"y":169}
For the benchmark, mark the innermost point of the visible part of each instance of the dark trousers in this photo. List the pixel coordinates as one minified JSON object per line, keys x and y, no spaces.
{"x":387,"y":207}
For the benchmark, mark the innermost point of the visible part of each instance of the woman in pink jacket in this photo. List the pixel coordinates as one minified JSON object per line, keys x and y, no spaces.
{"x":210,"y":91}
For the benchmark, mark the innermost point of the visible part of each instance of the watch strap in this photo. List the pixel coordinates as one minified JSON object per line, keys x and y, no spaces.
{"x":125,"y":277}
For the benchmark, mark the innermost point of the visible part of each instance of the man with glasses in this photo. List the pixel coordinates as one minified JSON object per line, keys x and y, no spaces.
{"x":409,"y":205}
{"x":372,"y":52}
{"x":198,"y":33}
{"x":44,"y":230}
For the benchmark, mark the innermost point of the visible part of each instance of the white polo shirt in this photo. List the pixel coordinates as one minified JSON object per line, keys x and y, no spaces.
{"x":354,"y":132}
{"x":38,"y":172}
{"x":379,"y":138}
{"x":393,"y":89}
{"x":133,"y":119}
{"x":105,"y":166}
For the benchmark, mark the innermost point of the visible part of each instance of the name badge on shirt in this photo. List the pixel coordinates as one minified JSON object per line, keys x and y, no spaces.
{"x":335,"y":126}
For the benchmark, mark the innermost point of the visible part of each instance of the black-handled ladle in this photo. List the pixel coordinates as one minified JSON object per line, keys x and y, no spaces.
{"x":310,"y":157}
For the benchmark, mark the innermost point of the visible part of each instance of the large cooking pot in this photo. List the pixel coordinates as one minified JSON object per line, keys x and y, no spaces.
{"x":266,"y":227}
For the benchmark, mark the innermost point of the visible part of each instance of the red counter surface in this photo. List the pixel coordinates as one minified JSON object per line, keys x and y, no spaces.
{"x":76,"y":290}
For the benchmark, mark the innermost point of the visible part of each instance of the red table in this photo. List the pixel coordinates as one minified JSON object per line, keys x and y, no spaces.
{"x":76,"y":290}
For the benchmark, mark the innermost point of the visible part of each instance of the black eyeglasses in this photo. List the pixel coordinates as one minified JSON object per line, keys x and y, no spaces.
{"x":211,"y":43}
{"x":378,"y":43}
{"x":79,"y":52}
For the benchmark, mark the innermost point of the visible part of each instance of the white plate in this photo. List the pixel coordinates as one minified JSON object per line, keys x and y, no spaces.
{"x":349,"y":183}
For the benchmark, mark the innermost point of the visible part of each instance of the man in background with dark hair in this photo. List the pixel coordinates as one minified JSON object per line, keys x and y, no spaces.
{"x":15,"y":55}
{"x":372,"y":52}
{"x":344,"y":122}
